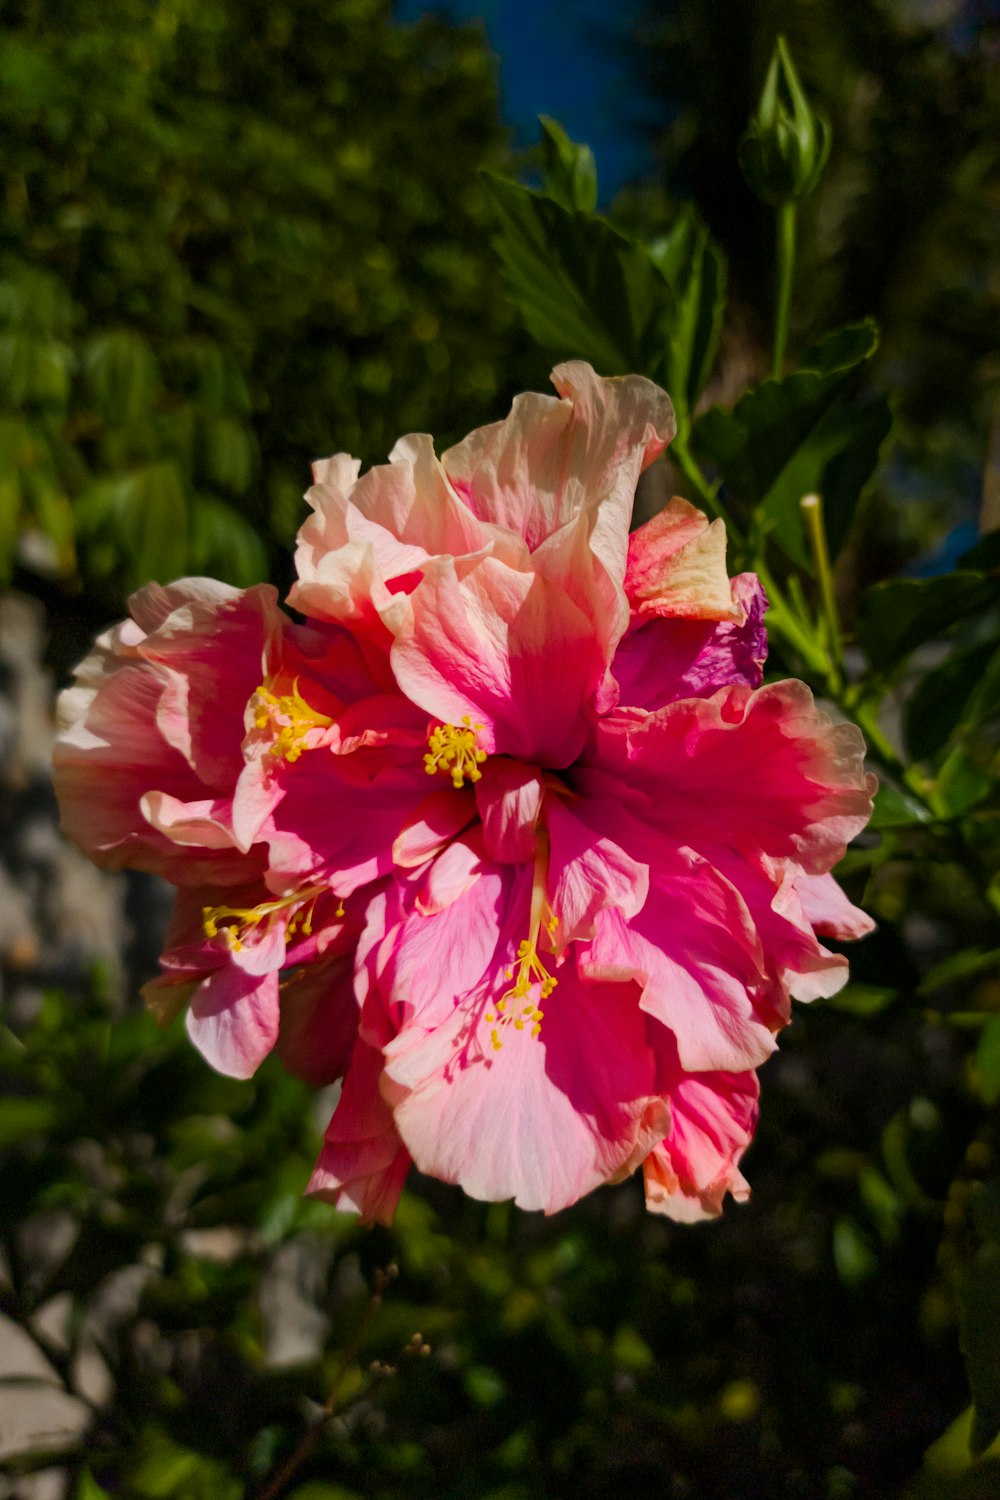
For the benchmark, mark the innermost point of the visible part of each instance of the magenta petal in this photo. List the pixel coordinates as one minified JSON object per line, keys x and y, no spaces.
{"x":509,"y":800}
{"x":695,"y":953}
{"x":319,"y":1021}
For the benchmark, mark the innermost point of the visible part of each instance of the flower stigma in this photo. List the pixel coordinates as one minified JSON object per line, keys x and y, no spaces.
{"x":453,"y":749}
{"x":290,"y":716}
{"x":530,"y":970}
{"x":246,"y":920}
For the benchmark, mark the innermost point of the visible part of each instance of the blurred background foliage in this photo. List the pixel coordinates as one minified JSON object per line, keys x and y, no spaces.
{"x":235,"y":236}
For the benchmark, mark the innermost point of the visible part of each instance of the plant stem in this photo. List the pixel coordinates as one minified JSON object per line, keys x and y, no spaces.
{"x":812,"y":514}
{"x":280,"y":1481}
{"x":786,"y":271}
{"x":681,"y":456}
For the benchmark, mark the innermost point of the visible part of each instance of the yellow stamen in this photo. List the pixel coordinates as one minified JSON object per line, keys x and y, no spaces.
{"x":237,"y":923}
{"x":290,"y":718}
{"x":454,"y":750}
{"x":529,"y":969}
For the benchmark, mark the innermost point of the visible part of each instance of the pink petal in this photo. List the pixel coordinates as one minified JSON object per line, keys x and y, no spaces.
{"x":696,"y":956}
{"x":660,"y":660}
{"x":712,"y":1120}
{"x":587,"y":873}
{"x":363,"y":1163}
{"x":543,"y":1120}
{"x":233,"y":1019}
{"x":319,"y":1021}
{"x":509,"y":800}
{"x":509,"y":650}
{"x":764,"y":769}
{"x":436,"y":820}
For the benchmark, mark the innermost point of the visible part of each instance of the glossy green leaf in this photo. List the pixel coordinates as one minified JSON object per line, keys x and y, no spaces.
{"x":939,"y":702}
{"x":568,"y":169}
{"x":695,"y":267}
{"x":803,"y":434}
{"x":967,"y":964}
{"x":583,"y":289}
{"x":896,"y":808}
{"x":964,"y":780}
{"x":900,"y":614}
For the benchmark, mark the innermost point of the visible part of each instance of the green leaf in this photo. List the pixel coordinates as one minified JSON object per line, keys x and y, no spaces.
{"x":122,"y":375}
{"x":938,"y":704}
{"x":963,"y":781}
{"x":985,"y":555}
{"x":896,"y":808}
{"x":568,"y":169}
{"x":863,"y":1000}
{"x":225,"y":544}
{"x":988,"y":1062}
{"x":583,"y":289}
{"x":958,"y":966}
{"x":153,"y":517}
{"x":695,"y":268}
{"x":900,"y":614}
{"x":20,"y":1119}
{"x":803,"y":434}
{"x":978,"y":1286}
{"x":87,"y":1487}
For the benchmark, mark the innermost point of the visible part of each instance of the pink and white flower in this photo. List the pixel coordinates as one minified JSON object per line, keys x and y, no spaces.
{"x":565,"y":860}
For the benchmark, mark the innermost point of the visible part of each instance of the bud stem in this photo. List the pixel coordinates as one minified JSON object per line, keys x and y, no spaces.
{"x":812,"y":514}
{"x":786,"y":270}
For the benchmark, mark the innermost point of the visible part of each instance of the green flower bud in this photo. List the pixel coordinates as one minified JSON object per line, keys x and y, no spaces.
{"x":785,"y":146}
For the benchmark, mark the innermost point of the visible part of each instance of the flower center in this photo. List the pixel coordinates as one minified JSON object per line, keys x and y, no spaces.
{"x":237,"y":924}
{"x":290,"y":718}
{"x":453,"y":749}
{"x":530,"y":970}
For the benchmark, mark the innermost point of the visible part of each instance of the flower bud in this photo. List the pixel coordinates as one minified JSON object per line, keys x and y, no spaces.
{"x":785,"y":146}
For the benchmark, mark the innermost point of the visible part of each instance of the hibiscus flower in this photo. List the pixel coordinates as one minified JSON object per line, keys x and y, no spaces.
{"x":564,"y":861}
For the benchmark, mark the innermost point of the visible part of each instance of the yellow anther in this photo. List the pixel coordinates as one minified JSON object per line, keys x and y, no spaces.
{"x":339,"y":911}
{"x":291,"y":719}
{"x":453,"y":749}
{"x":495,"y":1040}
{"x":236,"y":923}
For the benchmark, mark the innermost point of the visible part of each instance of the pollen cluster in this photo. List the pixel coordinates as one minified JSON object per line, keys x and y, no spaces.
{"x":290,"y":717}
{"x":453,"y":749}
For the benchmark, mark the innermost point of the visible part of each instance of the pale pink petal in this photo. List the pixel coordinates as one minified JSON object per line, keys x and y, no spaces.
{"x":677,"y":567}
{"x":551,"y":460}
{"x":544,"y":1119}
{"x":828,"y":909}
{"x":233,"y":1019}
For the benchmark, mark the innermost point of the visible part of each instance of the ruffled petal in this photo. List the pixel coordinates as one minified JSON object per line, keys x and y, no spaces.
{"x":363,"y":1163}
{"x":763,"y":769}
{"x":677,"y":567}
{"x":712,"y":1120}
{"x":660,"y":660}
